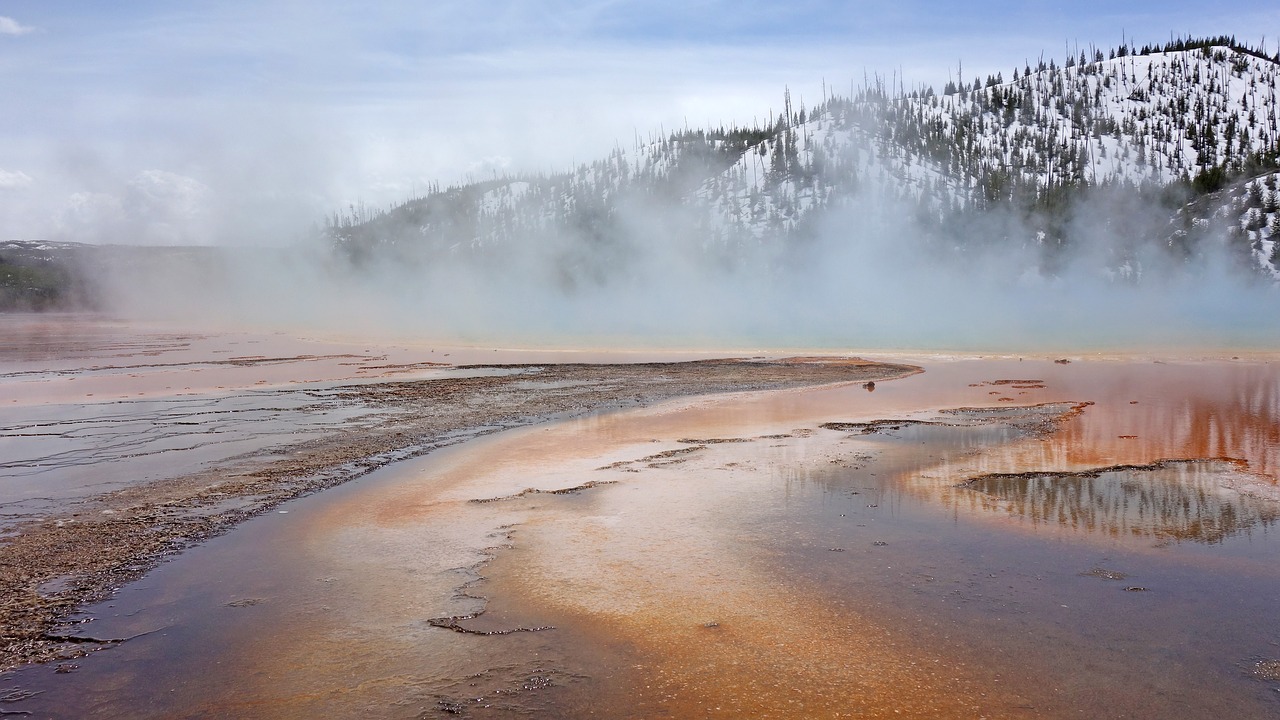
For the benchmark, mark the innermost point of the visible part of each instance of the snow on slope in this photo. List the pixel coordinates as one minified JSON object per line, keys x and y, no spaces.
{"x":1158,"y":117}
{"x":1152,"y":119}
{"x":1245,"y":215}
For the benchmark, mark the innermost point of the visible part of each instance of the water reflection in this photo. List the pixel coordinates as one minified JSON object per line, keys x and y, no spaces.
{"x":1192,"y":410}
{"x":1175,"y":500}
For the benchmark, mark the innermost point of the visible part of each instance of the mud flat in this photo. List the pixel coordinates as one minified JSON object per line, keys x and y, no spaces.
{"x":990,"y":538}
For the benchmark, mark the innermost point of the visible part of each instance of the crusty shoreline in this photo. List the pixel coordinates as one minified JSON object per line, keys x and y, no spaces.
{"x":51,"y":568}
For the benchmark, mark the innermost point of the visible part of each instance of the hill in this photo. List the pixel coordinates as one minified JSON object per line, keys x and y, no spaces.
{"x":1165,"y":147}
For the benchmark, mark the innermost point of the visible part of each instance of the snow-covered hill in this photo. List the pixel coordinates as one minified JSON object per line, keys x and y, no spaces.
{"x":1158,"y":117}
{"x":1190,"y":129}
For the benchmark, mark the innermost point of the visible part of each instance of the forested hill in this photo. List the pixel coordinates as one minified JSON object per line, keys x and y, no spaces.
{"x":1185,"y":133}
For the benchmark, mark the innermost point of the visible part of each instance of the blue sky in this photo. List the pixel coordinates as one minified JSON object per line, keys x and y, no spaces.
{"x":241,"y":122}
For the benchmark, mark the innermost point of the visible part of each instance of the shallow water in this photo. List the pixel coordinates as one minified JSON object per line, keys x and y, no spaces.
{"x":1114,"y":612}
{"x":1175,"y":501}
{"x":801,"y":570}
{"x":89,"y":405}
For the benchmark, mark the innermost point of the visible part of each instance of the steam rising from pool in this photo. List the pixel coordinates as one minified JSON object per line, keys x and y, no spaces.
{"x":869,"y":276}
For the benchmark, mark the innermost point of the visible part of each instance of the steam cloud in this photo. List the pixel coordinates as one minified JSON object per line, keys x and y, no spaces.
{"x":870,"y":277}
{"x":262,"y":118}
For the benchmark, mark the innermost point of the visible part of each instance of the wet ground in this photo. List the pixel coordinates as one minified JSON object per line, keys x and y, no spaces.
{"x":126,"y":444}
{"x":991,"y":538}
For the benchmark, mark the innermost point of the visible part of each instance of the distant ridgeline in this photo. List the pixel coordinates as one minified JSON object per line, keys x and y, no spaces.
{"x":69,"y":276}
{"x":1169,"y":147}
{"x":42,"y":277}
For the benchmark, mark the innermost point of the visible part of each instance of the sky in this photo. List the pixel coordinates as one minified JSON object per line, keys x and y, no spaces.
{"x":244,"y":122}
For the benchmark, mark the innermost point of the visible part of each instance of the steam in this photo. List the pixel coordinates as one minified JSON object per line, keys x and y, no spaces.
{"x":241,"y":124}
{"x":870,"y":276}
{"x":284,"y":115}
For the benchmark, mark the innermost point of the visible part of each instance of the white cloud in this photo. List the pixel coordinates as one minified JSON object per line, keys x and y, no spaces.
{"x":160,"y":193}
{"x":13,"y":179}
{"x":84,"y":210}
{"x":9,"y":26}
{"x":154,"y":208}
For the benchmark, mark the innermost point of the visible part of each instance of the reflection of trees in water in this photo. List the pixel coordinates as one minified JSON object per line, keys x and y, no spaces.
{"x":1182,"y":500}
{"x":1189,"y":411}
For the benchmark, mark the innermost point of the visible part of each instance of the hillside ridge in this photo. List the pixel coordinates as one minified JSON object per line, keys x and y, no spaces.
{"x":1172,"y":124}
